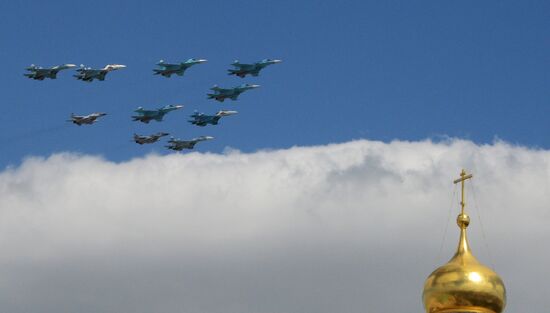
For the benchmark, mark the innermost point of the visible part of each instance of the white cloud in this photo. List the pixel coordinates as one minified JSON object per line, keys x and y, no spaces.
{"x":353,"y":227}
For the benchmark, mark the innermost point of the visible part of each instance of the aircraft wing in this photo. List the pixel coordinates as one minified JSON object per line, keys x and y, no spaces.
{"x":225,"y":91}
{"x":190,"y":144}
{"x":41,"y":71}
{"x":101,"y":75}
{"x":244,"y":67}
{"x":149,"y":113}
{"x":168,"y":66}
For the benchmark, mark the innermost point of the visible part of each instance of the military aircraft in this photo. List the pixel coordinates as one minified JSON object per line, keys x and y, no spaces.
{"x":146,"y":116}
{"x":178,"y":144}
{"x":39,"y":73}
{"x":148,"y":139}
{"x":253,"y":69}
{"x":88,"y":74}
{"x":231,"y":93}
{"x":168,"y":69}
{"x":85,"y":119}
{"x":201,"y":119}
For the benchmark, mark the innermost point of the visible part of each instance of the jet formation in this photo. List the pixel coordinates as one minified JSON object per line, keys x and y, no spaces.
{"x":164,"y":69}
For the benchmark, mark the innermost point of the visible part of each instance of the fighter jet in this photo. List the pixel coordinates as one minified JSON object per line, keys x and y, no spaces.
{"x":178,"y":144}
{"x":39,"y":73}
{"x":85,"y":119}
{"x":231,"y":93}
{"x":146,"y":116}
{"x":201,"y":119}
{"x":253,"y":69}
{"x":168,"y":69}
{"x":88,"y":74}
{"x":148,"y":139}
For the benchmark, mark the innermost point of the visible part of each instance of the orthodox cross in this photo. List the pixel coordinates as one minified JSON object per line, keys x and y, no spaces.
{"x":463,"y":177}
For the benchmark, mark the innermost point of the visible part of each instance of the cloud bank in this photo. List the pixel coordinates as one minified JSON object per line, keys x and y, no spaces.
{"x":352,"y":227}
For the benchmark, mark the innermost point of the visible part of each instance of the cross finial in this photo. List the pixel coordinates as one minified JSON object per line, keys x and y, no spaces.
{"x":463,"y":177}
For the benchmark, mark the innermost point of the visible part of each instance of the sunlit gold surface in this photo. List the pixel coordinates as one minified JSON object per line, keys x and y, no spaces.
{"x":464,"y":285}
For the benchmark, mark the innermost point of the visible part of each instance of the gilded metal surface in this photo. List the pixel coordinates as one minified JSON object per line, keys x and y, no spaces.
{"x":464,"y":285}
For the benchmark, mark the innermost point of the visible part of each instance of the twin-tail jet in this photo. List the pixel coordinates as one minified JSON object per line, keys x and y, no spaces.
{"x":242,"y":69}
{"x":178,"y":144}
{"x":220,"y":94}
{"x":39,"y":73}
{"x":146,"y":116}
{"x":167,"y":69}
{"x":85,"y":119}
{"x":139,"y":139}
{"x":201,"y":119}
{"x":88,"y":74}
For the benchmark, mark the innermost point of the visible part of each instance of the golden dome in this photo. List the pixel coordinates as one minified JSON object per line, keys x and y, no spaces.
{"x":463,"y":285}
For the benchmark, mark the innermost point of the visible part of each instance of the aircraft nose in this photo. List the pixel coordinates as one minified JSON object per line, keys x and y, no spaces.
{"x":118,"y":66}
{"x":277,"y":61}
{"x":202,"y":60}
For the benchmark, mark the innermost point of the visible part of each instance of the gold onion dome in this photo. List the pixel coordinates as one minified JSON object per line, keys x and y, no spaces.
{"x":463,"y":285}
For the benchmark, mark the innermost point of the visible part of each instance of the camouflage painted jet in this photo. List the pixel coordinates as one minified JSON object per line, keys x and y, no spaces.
{"x":201,"y":119}
{"x":148,"y":139}
{"x":178,"y":144}
{"x":253,"y":69}
{"x":231,"y":93}
{"x":85,"y":119}
{"x":39,"y":73}
{"x":168,"y":69}
{"x":146,"y":116}
{"x":88,"y":74}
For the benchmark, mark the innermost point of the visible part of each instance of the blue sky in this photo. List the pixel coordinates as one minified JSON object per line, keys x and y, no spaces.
{"x":380,"y":70}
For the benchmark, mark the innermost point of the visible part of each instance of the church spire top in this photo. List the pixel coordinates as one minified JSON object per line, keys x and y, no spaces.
{"x":463,"y":284}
